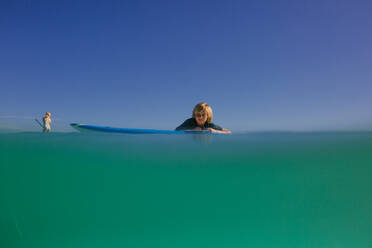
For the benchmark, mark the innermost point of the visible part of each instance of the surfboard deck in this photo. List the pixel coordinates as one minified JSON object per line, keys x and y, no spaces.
{"x":93,"y":128}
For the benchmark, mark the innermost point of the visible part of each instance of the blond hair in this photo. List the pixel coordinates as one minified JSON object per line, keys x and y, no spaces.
{"x":203,"y":107}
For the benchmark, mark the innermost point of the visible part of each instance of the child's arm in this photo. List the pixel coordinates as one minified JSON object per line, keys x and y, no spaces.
{"x":224,"y":130}
{"x":187,"y":125}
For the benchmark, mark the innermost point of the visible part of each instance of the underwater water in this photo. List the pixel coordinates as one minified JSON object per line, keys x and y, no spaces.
{"x":248,"y":190}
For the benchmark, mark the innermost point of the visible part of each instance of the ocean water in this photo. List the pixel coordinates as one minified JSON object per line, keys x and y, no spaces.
{"x":248,"y":190}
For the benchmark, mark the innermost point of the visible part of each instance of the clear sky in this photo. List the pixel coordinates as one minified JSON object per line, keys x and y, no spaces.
{"x":261,"y":65}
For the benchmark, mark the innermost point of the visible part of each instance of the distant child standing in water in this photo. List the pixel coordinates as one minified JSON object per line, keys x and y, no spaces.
{"x":201,"y":120}
{"x":47,"y":123}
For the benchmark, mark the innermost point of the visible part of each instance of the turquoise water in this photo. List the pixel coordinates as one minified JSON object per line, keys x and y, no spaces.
{"x":251,"y":190}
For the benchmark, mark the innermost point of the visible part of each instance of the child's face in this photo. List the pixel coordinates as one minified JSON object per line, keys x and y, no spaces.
{"x":201,"y":118}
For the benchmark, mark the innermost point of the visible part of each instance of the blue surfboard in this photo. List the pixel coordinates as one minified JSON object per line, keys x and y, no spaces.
{"x":83,"y":128}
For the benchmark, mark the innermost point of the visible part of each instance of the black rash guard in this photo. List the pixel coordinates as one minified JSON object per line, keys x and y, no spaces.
{"x":190,"y":124}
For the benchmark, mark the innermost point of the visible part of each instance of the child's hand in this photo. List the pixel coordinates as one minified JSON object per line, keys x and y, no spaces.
{"x":197,"y":129}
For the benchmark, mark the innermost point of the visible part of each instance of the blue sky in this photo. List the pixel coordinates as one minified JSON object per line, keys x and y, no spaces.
{"x":261,"y":65}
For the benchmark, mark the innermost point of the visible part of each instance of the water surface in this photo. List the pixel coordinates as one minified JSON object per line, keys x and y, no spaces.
{"x":251,"y":190}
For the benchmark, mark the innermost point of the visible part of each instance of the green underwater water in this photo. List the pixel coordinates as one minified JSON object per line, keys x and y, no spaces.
{"x":248,"y":190}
